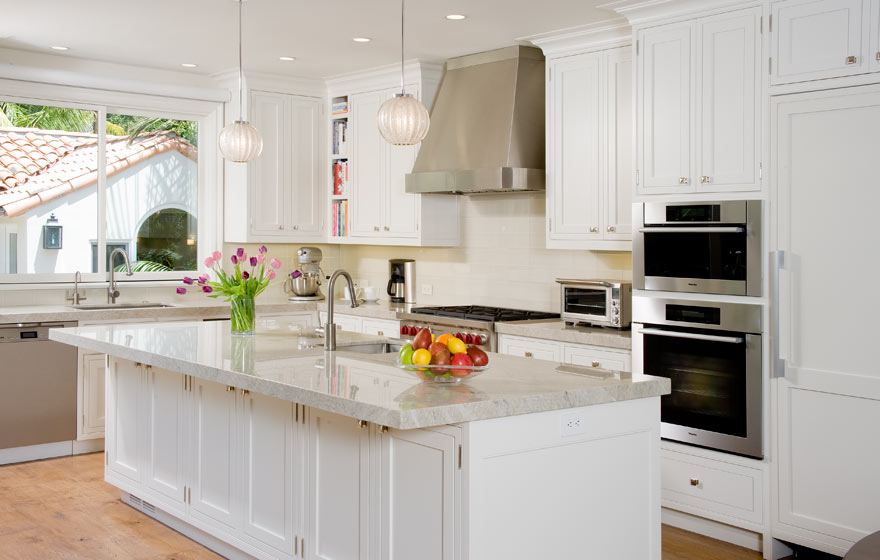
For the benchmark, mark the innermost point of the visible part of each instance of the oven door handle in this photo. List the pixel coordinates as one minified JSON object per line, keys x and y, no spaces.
{"x":695,"y":336}
{"x":722,"y":229}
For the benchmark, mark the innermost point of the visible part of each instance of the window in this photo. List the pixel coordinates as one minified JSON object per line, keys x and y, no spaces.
{"x":147,"y":198}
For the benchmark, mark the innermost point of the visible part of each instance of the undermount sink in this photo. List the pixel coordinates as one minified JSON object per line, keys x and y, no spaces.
{"x":142,"y":305}
{"x":371,"y":348}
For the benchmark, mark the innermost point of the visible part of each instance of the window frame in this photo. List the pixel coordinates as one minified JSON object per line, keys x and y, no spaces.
{"x":208,"y":114}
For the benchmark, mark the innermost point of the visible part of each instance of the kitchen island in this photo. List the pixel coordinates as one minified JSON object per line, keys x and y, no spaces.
{"x":268,"y":447}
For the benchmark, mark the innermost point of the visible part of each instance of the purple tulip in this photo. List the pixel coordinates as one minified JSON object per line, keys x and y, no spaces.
{"x":295,"y":274}
{"x":253,"y":261}
{"x":234,"y":259}
{"x":207,"y":289}
{"x":245,"y":275}
{"x":187,"y":280}
{"x":203,"y":279}
{"x":239,"y":252}
{"x":263,"y":249}
{"x":181,"y":291}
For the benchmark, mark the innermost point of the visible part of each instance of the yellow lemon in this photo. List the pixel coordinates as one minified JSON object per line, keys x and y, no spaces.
{"x":421,"y":357}
{"x":456,"y":346}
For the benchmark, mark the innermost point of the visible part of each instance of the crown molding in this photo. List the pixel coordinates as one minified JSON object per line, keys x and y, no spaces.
{"x":616,"y":31}
{"x":383,"y":77}
{"x":263,"y":81}
{"x":643,"y":11}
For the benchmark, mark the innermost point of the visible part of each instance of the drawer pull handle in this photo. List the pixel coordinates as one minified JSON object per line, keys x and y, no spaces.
{"x":682,"y":180}
{"x":705,"y":179}
{"x":380,"y":333}
{"x":362,"y":423}
{"x":528,"y":355}
{"x":594,"y":229}
{"x":230,"y":388}
{"x":852,"y":59}
{"x":611,"y":229}
{"x":695,"y":482}
{"x":595,"y":363}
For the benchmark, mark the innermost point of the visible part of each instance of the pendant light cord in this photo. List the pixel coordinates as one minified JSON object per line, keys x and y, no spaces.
{"x":402,"y":88}
{"x":240,"y":103}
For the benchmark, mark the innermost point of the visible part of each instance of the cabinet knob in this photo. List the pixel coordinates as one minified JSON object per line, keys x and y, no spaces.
{"x":245,"y":392}
{"x":695,"y":482}
{"x":528,"y":355}
{"x":877,"y":56}
{"x":852,"y":59}
{"x":375,"y":228}
{"x":611,"y":229}
{"x":595,"y":363}
{"x":682,"y":180}
{"x":705,"y":179}
{"x":280,"y":227}
{"x":383,"y":429}
{"x":295,"y":228}
{"x":387,"y":228}
{"x":594,"y":229}
{"x":362,"y":423}
{"x":230,"y":388}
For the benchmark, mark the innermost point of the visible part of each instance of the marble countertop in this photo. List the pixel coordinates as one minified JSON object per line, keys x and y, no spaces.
{"x":555,"y":329}
{"x":293,"y":366}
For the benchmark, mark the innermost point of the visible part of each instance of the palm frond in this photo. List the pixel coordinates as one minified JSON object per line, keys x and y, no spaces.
{"x":144,"y":266}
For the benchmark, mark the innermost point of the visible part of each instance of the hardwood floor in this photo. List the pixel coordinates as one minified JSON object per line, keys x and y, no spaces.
{"x":62,"y":509}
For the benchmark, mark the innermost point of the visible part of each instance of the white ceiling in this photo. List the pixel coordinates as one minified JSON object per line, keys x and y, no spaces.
{"x":165,"y":33}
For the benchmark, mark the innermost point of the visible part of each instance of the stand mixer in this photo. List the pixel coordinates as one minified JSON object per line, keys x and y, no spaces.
{"x":307,"y":286}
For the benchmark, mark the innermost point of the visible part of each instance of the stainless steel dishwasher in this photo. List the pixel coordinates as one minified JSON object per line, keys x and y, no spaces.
{"x":37,"y":386}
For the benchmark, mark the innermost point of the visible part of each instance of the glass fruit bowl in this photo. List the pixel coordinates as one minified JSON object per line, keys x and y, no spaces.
{"x":442,"y":374}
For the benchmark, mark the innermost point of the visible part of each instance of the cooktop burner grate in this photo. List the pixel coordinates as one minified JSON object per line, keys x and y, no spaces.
{"x":483,"y":313}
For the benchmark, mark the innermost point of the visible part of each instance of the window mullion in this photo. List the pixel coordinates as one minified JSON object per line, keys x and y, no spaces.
{"x":102,"y":190}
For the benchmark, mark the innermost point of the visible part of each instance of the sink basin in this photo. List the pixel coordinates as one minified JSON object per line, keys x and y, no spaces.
{"x":143,"y":305}
{"x":371,"y":348}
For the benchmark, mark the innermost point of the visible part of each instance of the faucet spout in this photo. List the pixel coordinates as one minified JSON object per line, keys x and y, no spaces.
{"x":112,"y":290}
{"x":330,"y":328}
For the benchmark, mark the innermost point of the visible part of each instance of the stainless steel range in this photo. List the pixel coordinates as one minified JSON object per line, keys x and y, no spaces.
{"x":474,"y":324}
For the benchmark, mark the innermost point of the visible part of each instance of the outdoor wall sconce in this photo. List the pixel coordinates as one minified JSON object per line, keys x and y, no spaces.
{"x":52,"y":233}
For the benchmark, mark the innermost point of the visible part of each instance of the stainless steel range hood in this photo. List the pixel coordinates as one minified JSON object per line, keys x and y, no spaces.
{"x":487,"y":126}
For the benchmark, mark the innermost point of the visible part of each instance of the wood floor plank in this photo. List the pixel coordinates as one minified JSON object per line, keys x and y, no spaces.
{"x":62,"y":509}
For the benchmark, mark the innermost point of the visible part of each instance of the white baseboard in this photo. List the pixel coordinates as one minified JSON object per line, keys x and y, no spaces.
{"x":713,"y":529}
{"x":35,"y":452}
{"x":88,"y":446}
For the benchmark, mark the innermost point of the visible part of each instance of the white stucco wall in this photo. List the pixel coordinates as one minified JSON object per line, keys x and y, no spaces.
{"x":169,"y":180}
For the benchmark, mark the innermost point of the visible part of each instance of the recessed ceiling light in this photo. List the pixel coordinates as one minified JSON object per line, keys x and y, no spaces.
{"x":361,"y":39}
{"x":189,"y":65}
{"x":286,"y":58}
{"x":60,"y":48}
{"x":456,"y":17}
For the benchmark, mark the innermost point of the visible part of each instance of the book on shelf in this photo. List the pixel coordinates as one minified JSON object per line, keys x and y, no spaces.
{"x":340,"y":218}
{"x":340,"y":138}
{"x":340,"y":177}
{"x":339,"y":107}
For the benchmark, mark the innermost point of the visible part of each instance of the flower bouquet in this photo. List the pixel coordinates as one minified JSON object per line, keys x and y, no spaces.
{"x":249,"y":279}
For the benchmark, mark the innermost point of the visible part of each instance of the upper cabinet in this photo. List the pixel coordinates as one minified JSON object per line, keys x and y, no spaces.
{"x":698,"y":105}
{"x":279,"y":197}
{"x":589,"y":154}
{"x":817,"y":39}
{"x":874,"y":48}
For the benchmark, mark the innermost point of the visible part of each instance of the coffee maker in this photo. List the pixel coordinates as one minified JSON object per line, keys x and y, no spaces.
{"x":402,"y":281}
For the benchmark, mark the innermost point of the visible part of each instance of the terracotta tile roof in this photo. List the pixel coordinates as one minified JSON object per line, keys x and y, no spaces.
{"x":37,"y":166}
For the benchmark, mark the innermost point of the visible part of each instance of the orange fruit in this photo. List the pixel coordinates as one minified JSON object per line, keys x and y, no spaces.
{"x":421,"y":357}
{"x":456,"y":346}
{"x":444,"y":338}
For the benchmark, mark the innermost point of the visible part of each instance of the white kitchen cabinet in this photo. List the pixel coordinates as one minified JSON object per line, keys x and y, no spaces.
{"x":565,"y":352}
{"x":596,"y":358}
{"x":827,"y":403}
{"x":874,"y":47}
{"x":90,"y":394}
{"x":530,"y":348}
{"x":123,"y":430}
{"x":589,"y":146}
{"x":380,"y":327}
{"x":698,"y":105}
{"x":165,"y":444}
{"x":818,"y":39}
{"x":279,"y":197}
{"x":420,"y":472}
{"x":369,"y":167}
{"x":350,"y":323}
{"x":285,"y":321}
{"x":339,"y":501}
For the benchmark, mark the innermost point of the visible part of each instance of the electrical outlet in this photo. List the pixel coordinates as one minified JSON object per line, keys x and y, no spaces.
{"x":573,"y":423}
{"x":427,"y":290}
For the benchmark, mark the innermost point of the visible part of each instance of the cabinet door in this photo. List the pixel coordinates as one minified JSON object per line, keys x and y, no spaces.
{"x":91,"y":411}
{"x":597,"y":358}
{"x":270,"y":471}
{"x":266,"y":173}
{"x":339,"y":475}
{"x":419,"y":495}
{"x":214,"y":472}
{"x":402,"y":208}
{"x":530,"y":348}
{"x":369,"y":166}
{"x":665,"y":93}
{"x":348,"y":323}
{"x":575,"y":132}
{"x":305,"y":179}
{"x":123,"y":419}
{"x":166,"y":442}
{"x":379,"y":327}
{"x":619,"y":142}
{"x":815,"y":39}
{"x":874,"y":50}
{"x":826,"y":161}
{"x":728,"y":113}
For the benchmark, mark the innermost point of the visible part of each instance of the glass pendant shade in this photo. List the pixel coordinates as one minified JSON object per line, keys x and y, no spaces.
{"x":403,"y":120}
{"x":240,"y":142}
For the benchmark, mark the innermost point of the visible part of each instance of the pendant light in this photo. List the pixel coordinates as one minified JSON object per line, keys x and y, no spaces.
{"x":403,"y":120}
{"x":240,"y":141}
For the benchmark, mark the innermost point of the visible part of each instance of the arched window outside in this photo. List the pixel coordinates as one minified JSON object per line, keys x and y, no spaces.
{"x":167,"y":241}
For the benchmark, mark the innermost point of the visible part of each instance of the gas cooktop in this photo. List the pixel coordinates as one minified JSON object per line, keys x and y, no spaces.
{"x":483,"y":313}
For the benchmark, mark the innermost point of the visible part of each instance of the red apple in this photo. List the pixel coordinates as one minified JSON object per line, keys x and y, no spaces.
{"x":462,"y":360}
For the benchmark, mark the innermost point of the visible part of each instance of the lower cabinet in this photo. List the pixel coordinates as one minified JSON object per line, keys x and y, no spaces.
{"x":565,"y":352}
{"x":365,"y":325}
{"x":90,"y":396}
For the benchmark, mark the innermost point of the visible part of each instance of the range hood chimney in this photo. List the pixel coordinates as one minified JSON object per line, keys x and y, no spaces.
{"x":487,"y":126}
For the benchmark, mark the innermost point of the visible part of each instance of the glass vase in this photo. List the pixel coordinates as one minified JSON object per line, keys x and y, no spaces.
{"x":242,"y":314}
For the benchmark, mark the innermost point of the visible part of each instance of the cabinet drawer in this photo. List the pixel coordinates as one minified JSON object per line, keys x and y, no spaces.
{"x":344,"y":322}
{"x":530,"y":348}
{"x":713,"y":489}
{"x":381,"y":327}
{"x":593,"y":357}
